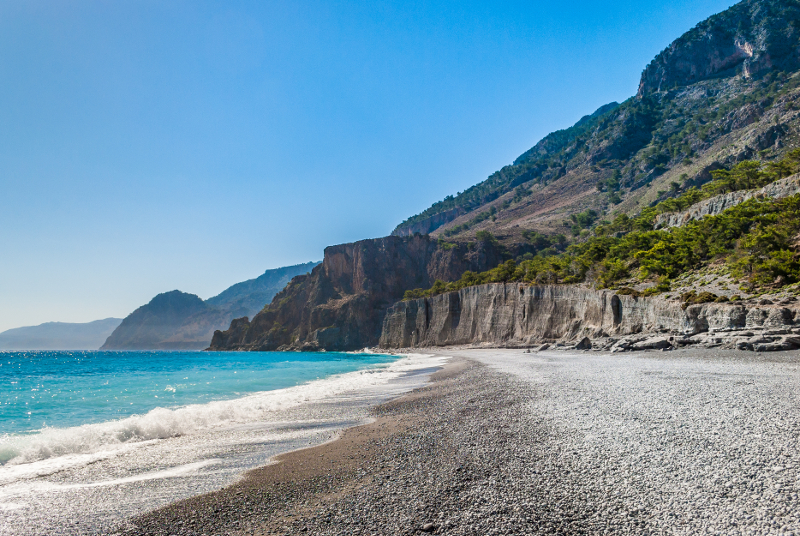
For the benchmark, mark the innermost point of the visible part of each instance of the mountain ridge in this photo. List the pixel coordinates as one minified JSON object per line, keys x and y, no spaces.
{"x":619,"y":156}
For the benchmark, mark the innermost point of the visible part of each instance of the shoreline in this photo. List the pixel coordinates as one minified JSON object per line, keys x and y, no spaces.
{"x":97,"y":490}
{"x":316,"y":469}
{"x":504,"y":442}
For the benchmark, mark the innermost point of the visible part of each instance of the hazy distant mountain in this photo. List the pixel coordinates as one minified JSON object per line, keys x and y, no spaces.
{"x":252,"y":295}
{"x":59,"y":336}
{"x":180,"y":321}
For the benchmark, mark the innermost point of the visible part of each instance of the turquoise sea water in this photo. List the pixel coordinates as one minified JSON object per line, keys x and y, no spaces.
{"x":66,"y":389}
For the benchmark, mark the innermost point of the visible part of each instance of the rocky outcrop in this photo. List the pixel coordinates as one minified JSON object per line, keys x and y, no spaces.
{"x":428,"y":225}
{"x":518,"y":315}
{"x":748,"y":38}
{"x":711,"y":207}
{"x":341,"y":304}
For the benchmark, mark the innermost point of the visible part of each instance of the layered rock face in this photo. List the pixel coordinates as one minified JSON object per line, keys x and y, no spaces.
{"x":747,"y":38}
{"x":711,"y":207}
{"x":341,"y":304}
{"x":518,"y":315}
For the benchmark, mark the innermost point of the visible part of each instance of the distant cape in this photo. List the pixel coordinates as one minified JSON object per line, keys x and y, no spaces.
{"x":59,"y":335}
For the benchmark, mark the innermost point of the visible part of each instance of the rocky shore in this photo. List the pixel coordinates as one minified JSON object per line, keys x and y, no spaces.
{"x":503,"y":442}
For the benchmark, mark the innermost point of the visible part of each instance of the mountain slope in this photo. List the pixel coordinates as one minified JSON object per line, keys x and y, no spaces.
{"x":59,"y":335}
{"x":177,"y":320}
{"x":722,"y":93}
{"x":701,"y":106}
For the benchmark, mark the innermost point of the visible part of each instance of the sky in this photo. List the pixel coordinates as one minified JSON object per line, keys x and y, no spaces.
{"x":147,"y":146}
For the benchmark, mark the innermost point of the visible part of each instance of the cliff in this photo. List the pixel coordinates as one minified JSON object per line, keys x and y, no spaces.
{"x":746,"y":39}
{"x":177,"y":320}
{"x":59,"y":335}
{"x":518,"y":315}
{"x":341,"y":304}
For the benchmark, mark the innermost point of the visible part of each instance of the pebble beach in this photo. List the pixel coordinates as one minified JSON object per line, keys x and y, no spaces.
{"x":502,"y":442}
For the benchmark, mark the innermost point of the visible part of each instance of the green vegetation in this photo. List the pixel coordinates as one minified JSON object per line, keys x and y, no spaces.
{"x":483,"y":216}
{"x":756,"y":241}
{"x":583,"y":220}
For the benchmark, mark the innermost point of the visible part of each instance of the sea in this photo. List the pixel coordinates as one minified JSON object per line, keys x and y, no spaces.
{"x":89,"y":439}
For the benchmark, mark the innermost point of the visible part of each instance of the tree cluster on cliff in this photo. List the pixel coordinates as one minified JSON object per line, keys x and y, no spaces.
{"x":756,"y":240}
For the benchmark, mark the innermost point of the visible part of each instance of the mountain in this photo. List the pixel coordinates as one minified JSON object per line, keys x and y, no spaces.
{"x":59,"y":336}
{"x":176,"y":320}
{"x":721,"y":95}
{"x":252,"y":295}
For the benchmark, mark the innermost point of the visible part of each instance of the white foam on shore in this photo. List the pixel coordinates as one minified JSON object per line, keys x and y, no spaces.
{"x":53,"y":449}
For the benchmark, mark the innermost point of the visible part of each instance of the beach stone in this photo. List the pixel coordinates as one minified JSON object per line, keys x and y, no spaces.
{"x":654,"y":343}
{"x":584,"y":344}
{"x":428,"y":527}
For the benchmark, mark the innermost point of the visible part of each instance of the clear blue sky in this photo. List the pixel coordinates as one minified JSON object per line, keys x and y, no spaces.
{"x":148,"y":145}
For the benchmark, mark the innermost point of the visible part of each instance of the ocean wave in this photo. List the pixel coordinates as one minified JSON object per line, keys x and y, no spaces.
{"x":102,"y":439}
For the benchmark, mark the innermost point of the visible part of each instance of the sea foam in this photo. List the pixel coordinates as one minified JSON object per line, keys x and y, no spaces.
{"x":83,"y":444}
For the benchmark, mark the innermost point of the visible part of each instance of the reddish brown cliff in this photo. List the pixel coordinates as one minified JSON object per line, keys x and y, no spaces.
{"x":341,"y":304}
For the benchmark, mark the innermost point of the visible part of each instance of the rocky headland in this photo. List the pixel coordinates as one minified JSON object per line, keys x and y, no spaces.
{"x":722,"y":95}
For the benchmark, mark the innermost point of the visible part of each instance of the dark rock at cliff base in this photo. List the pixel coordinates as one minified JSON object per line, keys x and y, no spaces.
{"x":341,"y":304}
{"x":653,"y":343}
{"x":584,"y":344}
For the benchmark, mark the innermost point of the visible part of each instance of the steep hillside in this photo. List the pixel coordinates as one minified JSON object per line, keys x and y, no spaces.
{"x":177,"y":320}
{"x":59,"y":335}
{"x":724,"y":92}
{"x":580,"y":206}
{"x":155,"y":325}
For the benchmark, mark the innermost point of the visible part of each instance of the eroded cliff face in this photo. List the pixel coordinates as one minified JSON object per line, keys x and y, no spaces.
{"x":748,"y":38}
{"x":341,"y":304}
{"x":518,"y":315}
